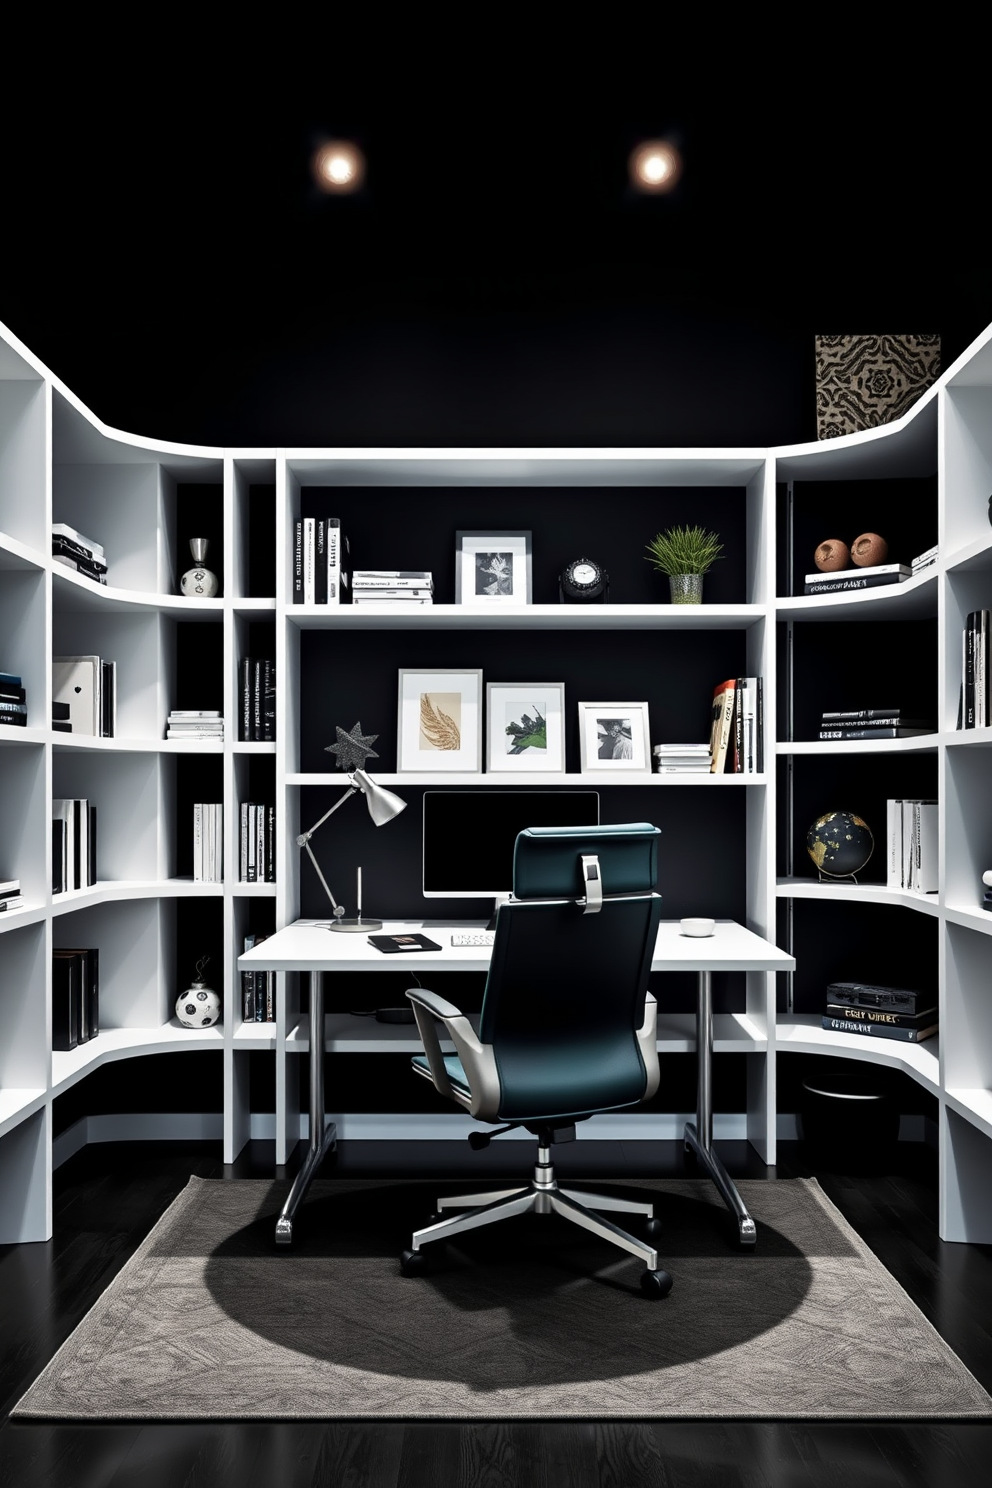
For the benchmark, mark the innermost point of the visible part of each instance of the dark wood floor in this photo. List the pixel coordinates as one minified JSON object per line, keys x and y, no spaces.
{"x":108,"y":1197}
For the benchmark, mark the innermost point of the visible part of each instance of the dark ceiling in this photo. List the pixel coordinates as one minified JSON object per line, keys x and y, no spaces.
{"x":497,"y":281}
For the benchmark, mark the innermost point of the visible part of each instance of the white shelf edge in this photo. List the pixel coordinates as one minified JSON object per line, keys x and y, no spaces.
{"x":809,"y":888}
{"x":121,"y":744}
{"x":29,"y":914}
{"x":802,"y":1032}
{"x":12,"y":733}
{"x":974,"y":1105}
{"x":26,"y":557}
{"x":106,"y":891}
{"x":971,"y":917}
{"x":70,"y":1066}
{"x":17,"y":1104}
{"x":112,"y":597}
{"x":535,"y":617}
{"x":922,"y":743}
{"x":537,"y":777}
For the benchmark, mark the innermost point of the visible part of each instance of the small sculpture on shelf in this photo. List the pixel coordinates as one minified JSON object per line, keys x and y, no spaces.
{"x":832,"y":555}
{"x":199,"y":1005}
{"x":840,"y":844}
{"x":198,"y":582}
{"x":866,"y":551}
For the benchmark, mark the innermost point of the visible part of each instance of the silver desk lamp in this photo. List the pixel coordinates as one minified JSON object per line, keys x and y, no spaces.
{"x":383,"y":806}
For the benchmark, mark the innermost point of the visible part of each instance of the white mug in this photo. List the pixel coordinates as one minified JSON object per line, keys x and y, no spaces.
{"x":697,"y":926}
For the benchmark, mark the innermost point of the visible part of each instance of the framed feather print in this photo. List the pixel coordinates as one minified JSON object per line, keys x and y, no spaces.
{"x":440,"y":721}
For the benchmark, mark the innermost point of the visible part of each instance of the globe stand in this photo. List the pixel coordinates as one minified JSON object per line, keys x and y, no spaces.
{"x":835,"y":877}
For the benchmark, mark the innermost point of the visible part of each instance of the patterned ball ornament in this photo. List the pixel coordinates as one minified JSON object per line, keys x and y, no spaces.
{"x":839,"y":843}
{"x":199,"y":1005}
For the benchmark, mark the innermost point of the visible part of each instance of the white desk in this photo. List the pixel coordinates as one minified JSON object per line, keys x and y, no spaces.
{"x":307,"y":946}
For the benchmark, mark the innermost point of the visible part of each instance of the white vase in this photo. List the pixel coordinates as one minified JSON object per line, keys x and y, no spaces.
{"x":198,"y":582}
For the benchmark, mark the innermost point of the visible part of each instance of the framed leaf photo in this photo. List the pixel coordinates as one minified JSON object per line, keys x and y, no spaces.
{"x":614,"y":739}
{"x":524,"y":728}
{"x":440,"y":721}
{"x":493,"y":569}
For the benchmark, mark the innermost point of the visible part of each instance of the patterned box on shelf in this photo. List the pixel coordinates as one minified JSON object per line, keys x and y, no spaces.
{"x":864,"y":381}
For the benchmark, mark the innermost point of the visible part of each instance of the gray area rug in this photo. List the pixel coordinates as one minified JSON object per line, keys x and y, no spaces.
{"x":208,"y":1320}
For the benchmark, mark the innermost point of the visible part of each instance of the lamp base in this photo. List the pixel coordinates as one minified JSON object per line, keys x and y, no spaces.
{"x":354,"y":925}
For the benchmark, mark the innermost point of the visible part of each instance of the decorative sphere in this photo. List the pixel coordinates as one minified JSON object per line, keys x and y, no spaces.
{"x":831,"y":555}
{"x":199,"y":583}
{"x":869,"y":549}
{"x":839,"y":843}
{"x":198,"y":1007}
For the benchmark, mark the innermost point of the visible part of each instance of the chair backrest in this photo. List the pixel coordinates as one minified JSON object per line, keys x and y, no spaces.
{"x":565,"y":993}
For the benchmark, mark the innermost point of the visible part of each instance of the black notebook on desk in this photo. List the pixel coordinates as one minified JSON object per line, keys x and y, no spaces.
{"x":391,"y":943}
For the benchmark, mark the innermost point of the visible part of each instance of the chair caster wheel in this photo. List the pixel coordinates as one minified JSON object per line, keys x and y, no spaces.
{"x":414,"y":1263}
{"x":653,"y":1228}
{"x":656,"y":1283}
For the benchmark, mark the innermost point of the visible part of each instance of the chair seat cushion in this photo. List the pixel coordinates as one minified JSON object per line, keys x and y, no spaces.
{"x":453,"y":1065}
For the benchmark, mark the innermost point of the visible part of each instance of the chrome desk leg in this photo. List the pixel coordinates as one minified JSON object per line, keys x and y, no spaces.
{"x":323,"y":1135}
{"x":699,"y":1137}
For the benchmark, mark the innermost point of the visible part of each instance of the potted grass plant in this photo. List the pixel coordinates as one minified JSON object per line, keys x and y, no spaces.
{"x":685,"y":554}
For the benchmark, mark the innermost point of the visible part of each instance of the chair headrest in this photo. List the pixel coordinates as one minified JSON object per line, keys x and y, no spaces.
{"x":547,"y":861}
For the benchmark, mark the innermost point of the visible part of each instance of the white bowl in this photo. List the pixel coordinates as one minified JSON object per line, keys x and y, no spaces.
{"x":697,"y":926}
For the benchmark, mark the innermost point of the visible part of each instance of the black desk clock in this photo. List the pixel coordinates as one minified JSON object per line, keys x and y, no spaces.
{"x":581,"y":580}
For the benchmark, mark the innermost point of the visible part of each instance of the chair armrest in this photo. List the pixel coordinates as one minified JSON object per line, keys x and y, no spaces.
{"x":477,"y":1058}
{"x":647,"y":1041}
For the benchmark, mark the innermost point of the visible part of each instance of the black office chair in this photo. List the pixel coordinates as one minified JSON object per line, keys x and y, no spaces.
{"x":567,"y":1028}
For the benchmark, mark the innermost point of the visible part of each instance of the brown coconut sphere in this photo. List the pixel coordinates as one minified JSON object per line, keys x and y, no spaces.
{"x":831,"y":555}
{"x":869,"y":549}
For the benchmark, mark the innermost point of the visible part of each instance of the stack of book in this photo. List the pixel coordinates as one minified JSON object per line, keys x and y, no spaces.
{"x":926,"y":560}
{"x":194,"y":724}
{"x":987,"y":890}
{"x":871,"y":1011}
{"x":873,"y":723}
{"x":410,"y":586}
{"x":320,"y":561}
{"x":10,"y":894}
{"x":682,"y":759}
{"x":736,"y":727}
{"x":208,"y":842}
{"x":850,"y":579}
{"x":75,"y":996}
{"x":13,"y":701}
{"x":975,"y":702}
{"x":61,"y":721}
{"x":911,"y":832}
{"x":257,"y":852}
{"x":73,"y":845}
{"x":257,"y":686}
{"x":258,"y":989}
{"x":88,"y":685}
{"x":79,"y":553}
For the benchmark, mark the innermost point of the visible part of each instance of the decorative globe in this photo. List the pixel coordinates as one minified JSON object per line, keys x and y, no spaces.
{"x":198,"y":1007}
{"x":839,"y":843}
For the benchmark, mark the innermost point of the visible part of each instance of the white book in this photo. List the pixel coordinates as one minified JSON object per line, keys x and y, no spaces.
{"x":76,"y":681}
{"x":218,"y":843}
{"x":333,"y":558}
{"x":893,"y":837}
{"x":860,"y":573}
{"x":926,"y":868}
{"x":195,"y":713}
{"x":259,"y":844}
{"x":366,"y":579}
{"x":749,"y":765}
{"x":930,"y":554}
{"x":198,"y":842}
{"x":10,"y":886}
{"x":65,"y":810}
{"x":309,"y":559}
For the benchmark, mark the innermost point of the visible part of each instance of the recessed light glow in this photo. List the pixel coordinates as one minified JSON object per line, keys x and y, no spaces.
{"x":338,"y":166}
{"x":655,"y":166}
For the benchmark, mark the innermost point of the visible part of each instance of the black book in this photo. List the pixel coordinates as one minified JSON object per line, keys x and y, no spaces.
{"x":268,"y":700}
{"x":883,"y":720}
{"x":246,"y":670}
{"x":248,"y":987}
{"x":883,"y":1017}
{"x":875,"y":733}
{"x":859,"y":715}
{"x":877,"y":1030}
{"x":88,"y":963}
{"x":67,"y":983}
{"x":90,"y":845}
{"x":13,"y":720}
{"x":850,"y":582}
{"x":59,"y":884}
{"x":257,"y":694}
{"x":270,"y":844}
{"x":60,"y":711}
{"x":320,"y":561}
{"x":10,"y":694}
{"x":77,"y":551}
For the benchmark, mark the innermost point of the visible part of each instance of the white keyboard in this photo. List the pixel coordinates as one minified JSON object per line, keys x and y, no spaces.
{"x":473,"y":937}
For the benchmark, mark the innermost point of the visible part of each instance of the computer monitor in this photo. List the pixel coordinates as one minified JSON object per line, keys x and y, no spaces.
{"x":469,"y":836}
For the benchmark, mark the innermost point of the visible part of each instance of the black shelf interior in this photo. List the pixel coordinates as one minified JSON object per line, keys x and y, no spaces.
{"x":903,"y":512}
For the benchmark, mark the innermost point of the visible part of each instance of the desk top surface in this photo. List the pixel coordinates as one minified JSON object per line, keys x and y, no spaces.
{"x":307,"y":945}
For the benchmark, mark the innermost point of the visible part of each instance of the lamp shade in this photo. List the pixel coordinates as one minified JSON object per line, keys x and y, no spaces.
{"x":383,"y":804}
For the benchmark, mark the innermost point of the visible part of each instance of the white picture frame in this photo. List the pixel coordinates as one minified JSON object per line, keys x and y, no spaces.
{"x":614,"y":739}
{"x":439,"y":723}
{"x":493,"y":569}
{"x":513,"y":708}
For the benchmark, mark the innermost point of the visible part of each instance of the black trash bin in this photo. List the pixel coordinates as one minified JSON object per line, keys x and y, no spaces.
{"x":849,"y":1113}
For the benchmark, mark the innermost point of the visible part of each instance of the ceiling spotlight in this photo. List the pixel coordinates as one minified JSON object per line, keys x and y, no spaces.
{"x":655,"y":166}
{"x":338,"y":166}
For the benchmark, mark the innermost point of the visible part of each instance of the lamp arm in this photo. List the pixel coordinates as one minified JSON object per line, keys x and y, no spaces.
{"x":304,"y":841}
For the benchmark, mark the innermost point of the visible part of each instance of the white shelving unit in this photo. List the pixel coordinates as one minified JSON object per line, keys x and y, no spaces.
{"x":59,"y":462}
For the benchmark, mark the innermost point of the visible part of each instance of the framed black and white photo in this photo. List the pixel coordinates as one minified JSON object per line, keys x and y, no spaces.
{"x":492,"y":568}
{"x":440,"y":721}
{"x":524,"y":727}
{"x":614,"y":738}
